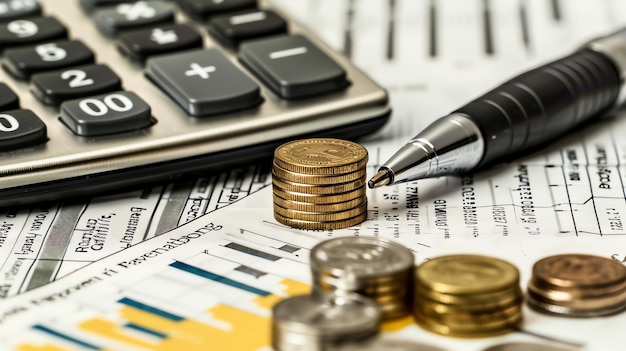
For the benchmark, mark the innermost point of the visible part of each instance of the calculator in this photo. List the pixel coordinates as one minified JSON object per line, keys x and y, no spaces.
{"x":104,"y":95}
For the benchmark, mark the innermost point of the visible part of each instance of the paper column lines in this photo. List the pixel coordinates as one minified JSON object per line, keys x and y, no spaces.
{"x":32,"y":271}
{"x":66,"y":338}
{"x":593,"y":200}
{"x":523,"y":20}
{"x":153,"y":216}
{"x":391,"y":30}
{"x":348,"y":29}
{"x":432,"y":26}
{"x":556,"y":10}
{"x":556,"y":204}
{"x":569,"y":198}
{"x":487,"y":27}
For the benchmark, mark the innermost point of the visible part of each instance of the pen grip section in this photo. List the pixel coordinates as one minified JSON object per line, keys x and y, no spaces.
{"x":542,"y":104}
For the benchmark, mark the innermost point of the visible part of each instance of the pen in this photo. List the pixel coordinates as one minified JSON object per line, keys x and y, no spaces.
{"x":525,"y":112}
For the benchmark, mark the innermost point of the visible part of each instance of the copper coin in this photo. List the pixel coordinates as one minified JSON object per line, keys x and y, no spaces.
{"x":579,"y":270}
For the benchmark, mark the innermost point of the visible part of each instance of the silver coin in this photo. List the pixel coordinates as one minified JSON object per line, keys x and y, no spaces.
{"x":357,"y":257}
{"x":379,"y":344}
{"x":528,"y":346}
{"x":572,"y":312}
{"x":309,"y":323}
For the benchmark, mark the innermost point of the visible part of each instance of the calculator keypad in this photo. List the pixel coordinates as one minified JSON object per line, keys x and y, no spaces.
{"x":53,"y":88}
{"x":23,"y":62}
{"x":140,"y":44}
{"x":232,"y":29}
{"x":292,"y":66}
{"x":30,"y":31}
{"x":203,"y":82}
{"x":20,"y":128}
{"x":10,"y":10}
{"x":8,"y":99}
{"x":203,"y":9}
{"x":140,"y":87}
{"x":106,"y":114}
{"x":112,"y":20}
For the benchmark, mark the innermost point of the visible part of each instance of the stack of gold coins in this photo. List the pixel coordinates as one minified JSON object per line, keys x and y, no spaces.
{"x":320,"y":183}
{"x":467,"y":296}
{"x":378,"y":268}
{"x":577,"y":285}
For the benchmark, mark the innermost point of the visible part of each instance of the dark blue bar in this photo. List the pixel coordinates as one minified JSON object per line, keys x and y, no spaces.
{"x":145,"y":330}
{"x":65,"y":337}
{"x":218,"y":278}
{"x":150,"y":309}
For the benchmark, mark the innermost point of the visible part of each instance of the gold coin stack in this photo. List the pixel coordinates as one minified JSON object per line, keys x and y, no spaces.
{"x":319,"y":183}
{"x":467,"y":296}
{"x":577,"y":285}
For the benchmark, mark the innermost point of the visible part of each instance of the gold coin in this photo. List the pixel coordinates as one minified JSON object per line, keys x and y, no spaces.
{"x":316,"y":225}
{"x":310,"y":207}
{"x":469,"y":304}
{"x":579,"y":270}
{"x":316,"y":179}
{"x":432,"y":307}
{"x":470,"y":299}
{"x":595,"y":303}
{"x":321,"y":216}
{"x":469,"y":331}
{"x":494,"y":319}
{"x":321,"y":156}
{"x":317,"y":198}
{"x":319,"y":189}
{"x":467,"y":274}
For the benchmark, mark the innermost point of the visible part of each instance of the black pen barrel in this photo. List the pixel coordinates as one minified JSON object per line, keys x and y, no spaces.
{"x":540,"y":105}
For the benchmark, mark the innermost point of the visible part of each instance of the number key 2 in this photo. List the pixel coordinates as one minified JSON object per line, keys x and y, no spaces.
{"x":53,"y":88}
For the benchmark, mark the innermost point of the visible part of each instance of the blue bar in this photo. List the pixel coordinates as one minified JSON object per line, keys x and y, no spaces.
{"x":65,"y":337}
{"x":150,"y":309}
{"x":145,"y":330}
{"x":218,"y":278}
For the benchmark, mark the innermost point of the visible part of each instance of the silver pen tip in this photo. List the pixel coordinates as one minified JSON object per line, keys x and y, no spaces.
{"x":379,"y":179}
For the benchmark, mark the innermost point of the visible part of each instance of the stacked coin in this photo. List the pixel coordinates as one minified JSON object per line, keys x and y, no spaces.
{"x":578,"y":285}
{"x":378,"y":268}
{"x":312,"y":323}
{"x":320,"y":183}
{"x":467,"y":296}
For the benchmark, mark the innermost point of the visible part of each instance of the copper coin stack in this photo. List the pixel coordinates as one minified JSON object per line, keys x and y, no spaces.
{"x":467,"y":296}
{"x":577,"y":285}
{"x":377,"y":268}
{"x":320,"y":183}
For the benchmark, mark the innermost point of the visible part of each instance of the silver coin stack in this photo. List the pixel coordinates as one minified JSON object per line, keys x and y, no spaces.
{"x":377,"y":268}
{"x":315,"y":322}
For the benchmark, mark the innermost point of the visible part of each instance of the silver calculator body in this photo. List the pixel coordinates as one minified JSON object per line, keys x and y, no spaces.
{"x":175,"y":142}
